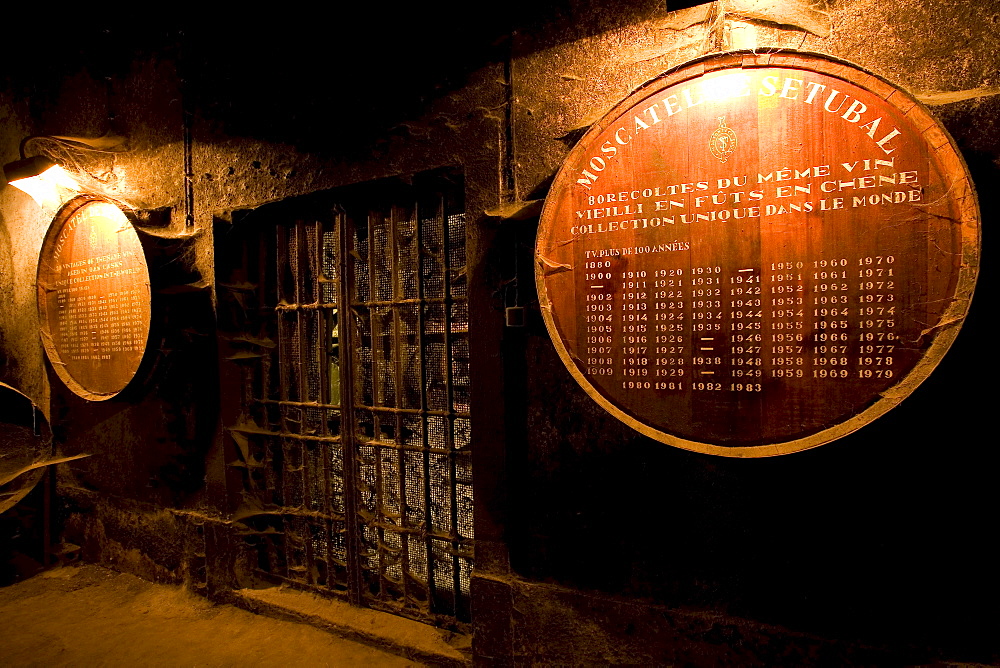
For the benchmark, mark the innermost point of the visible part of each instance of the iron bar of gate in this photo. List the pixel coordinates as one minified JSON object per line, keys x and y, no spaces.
{"x":313,"y":477}
{"x":450,"y":398}
{"x":324,"y":336}
{"x":304,"y":285}
{"x":322,"y":460}
{"x":378,"y":394}
{"x":288,"y":363}
{"x":348,"y":423}
{"x":395,"y":445}
{"x":286,"y":511}
{"x":442,"y":537}
{"x":296,"y":448}
{"x":418,"y":234}
{"x":377,"y":409}
{"x":397,"y":359}
{"x":336,"y":225}
{"x":291,"y":484}
{"x":365,"y":303}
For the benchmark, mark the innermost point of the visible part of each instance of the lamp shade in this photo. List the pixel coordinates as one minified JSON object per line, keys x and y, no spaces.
{"x":26,"y":168}
{"x":39,"y":177}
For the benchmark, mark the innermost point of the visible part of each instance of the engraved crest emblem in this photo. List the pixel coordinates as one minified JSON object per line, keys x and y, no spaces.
{"x":723,"y":141}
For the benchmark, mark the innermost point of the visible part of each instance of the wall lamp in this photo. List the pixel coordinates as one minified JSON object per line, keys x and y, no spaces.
{"x":39,"y":177}
{"x":43,"y":178}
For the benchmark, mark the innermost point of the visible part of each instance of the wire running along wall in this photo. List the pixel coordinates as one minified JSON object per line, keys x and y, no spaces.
{"x":354,"y":437}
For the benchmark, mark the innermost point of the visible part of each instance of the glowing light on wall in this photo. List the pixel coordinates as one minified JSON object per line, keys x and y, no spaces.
{"x":44,"y":180}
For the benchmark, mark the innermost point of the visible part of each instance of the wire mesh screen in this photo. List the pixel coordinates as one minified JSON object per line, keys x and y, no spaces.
{"x":388,"y":437}
{"x":409,"y":314}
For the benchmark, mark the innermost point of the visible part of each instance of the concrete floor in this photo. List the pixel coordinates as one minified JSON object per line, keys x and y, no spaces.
{"x":91,"y":616}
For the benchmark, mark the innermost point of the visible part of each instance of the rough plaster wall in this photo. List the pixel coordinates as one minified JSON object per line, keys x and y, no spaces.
{"x":924,"y":46}
{"x":946,"y":52}
{"x":21,"y":231}
{"x":241,"y":172}
{"x":151,"y":176}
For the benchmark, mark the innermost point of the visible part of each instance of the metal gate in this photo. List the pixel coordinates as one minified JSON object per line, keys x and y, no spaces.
{"x":351,"y":448}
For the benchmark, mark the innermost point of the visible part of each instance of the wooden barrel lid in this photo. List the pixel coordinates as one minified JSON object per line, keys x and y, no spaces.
{"x":93,"y":297}
{"x":25,"y":446}
{"x":756,"y":254}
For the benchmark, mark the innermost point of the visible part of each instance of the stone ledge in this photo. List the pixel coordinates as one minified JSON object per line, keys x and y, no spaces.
{"x":398,"y":635}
